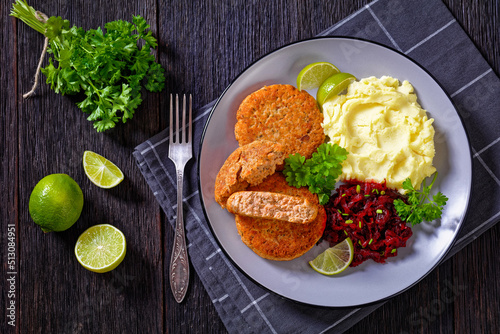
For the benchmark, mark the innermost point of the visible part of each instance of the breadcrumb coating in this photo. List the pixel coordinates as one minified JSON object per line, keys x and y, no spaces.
{"x":284,"y":114}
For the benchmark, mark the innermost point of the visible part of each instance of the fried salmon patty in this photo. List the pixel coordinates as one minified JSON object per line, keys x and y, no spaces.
{"x":247,"y":165}
{"x":284,"y":114}
{"x":280,"y":240}
{"x":271,"y":205}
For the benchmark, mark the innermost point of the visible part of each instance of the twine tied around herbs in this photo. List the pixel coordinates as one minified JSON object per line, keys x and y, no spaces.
{"x":42,"y":18}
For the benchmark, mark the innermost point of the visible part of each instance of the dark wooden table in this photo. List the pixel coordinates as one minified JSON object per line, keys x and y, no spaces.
{"x":203,"y":45}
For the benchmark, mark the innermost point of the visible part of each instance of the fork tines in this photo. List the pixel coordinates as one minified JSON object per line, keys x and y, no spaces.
{"x":181,"y":135}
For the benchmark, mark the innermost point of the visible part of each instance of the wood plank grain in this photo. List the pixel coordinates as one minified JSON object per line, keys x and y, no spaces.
{"x":203,"y":45}
{"x":57,"y":294}
{"x":475,"y":272}
{"x":480,"y":20}
{"x":9,"y":298}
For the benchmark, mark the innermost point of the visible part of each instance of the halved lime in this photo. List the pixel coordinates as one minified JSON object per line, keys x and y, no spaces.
{"x":333,"y":85}
{"x":313,"y":75}
{"x":102,"y":172}
{"x":101,"y":248}
{"x":334,"y":260}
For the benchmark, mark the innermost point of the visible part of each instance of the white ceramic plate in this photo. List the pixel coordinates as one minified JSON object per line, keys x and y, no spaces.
{"x":369,"y":282}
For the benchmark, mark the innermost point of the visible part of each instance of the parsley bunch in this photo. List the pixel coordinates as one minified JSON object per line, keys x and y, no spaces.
{"x":319,"y":173}
{"x":109,"y":68}
{"x":420,"y":206}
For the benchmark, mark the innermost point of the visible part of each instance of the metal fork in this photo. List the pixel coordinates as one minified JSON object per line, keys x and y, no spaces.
{"x":180,"y":151}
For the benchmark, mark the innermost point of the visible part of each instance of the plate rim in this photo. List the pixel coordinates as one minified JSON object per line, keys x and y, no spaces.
{"x":334,"y":37}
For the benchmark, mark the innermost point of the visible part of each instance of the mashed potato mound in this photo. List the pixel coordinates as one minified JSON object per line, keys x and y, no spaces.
{"x":384,"y":129}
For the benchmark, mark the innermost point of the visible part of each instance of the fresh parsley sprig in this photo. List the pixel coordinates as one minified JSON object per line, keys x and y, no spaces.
{"x":420,"y":206}
{"x":108,"y":67}
{"x":319,"y":173}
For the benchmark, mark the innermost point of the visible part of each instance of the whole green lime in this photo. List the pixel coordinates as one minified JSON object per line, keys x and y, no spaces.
{"x":56,"y":203}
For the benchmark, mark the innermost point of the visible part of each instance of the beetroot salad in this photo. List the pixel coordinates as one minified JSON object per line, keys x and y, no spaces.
{"x":364,"y":212}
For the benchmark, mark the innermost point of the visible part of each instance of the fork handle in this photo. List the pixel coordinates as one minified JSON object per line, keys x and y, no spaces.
{"x":179,"y":263}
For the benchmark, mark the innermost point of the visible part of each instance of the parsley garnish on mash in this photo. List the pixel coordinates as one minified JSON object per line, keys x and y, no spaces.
{"x":319,"y":173}
{"x":420,"y":206}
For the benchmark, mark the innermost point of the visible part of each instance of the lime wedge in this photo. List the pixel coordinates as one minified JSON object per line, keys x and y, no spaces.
{"x":333,"y":85}
{"x":101,"y":248}
{"x":334,"y":260}
{"x":102,"y":172}
{"x":313,"y":75}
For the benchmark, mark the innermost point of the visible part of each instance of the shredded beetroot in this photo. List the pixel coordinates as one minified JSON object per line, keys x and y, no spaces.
{"x":364,"y":212}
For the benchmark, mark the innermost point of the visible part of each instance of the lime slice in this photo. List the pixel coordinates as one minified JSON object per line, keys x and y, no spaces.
{"x":101,"y":248}
{"x":313,"y":75}
{"x":333,"y":85}
{"x":334,"y":260}
{"x":102,"y":172}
